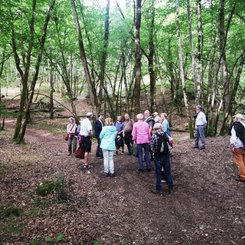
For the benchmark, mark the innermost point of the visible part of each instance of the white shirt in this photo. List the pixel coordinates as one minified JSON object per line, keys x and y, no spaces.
{"x":85,"y":127}
{"x":234,"y":140}
{"x":201,"y":119}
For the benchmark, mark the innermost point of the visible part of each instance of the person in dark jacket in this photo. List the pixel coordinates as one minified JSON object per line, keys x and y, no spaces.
{"x":98,"y":128}
{"x":162,"y":159}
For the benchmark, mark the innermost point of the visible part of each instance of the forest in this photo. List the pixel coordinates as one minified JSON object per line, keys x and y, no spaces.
{"x":62,"y":58}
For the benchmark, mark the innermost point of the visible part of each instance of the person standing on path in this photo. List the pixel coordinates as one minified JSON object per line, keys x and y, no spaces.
{"x":98,"y":128}
{"x":141,"y":135}
{"x":119,"y":140}
{"x":200,"y":125}
{"x":150,"y":121}
{"x":108,"y":146}
{"x":237,"y":145}
{"x":165,"y":124}
{"x":71,"y":129}
{"x":86,"y":135}
{"x":160,"y":143}
{"x":127,"y":130}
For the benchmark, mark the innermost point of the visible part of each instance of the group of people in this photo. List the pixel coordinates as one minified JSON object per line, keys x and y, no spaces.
{"x":150,"y":135}
{"x":145,"y":135}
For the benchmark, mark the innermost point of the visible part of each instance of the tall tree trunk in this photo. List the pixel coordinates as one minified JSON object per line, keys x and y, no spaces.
{"x":181,"y":68}
{"x":90,"y":83}
{"x":224,"y":71}
{"x":21,"y":136}
{"x":199,"y":52}
{"x":137,"y":85}
{"x":51,"y":100}
{"x":104,"y":52}
{"x":151,"y":59}
{"x":23,"y":74}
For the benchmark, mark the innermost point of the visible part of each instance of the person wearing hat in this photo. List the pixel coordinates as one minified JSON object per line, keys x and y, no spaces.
{"x":237,"y":144}
{"x":160,"y":142}
{"x":85,"y":136}
{"x":200,"y":125}
{"x":70,"y":130}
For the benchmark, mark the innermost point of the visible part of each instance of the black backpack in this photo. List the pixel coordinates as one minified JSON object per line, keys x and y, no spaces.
{"x":162,"y":145}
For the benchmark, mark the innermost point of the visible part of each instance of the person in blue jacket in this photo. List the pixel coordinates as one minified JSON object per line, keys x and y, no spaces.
{"x":108,"y":146}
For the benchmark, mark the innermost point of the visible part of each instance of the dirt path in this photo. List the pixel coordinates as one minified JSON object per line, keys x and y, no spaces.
{"x":206,"y":207}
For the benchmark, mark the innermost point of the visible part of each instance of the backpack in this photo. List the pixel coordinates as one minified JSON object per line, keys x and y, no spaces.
{"x":162,"y":145}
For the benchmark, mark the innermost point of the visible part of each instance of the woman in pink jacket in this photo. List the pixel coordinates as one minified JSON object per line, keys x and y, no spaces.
{"x":141,"y":135}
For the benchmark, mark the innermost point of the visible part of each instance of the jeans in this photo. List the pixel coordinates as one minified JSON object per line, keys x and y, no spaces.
{"x":108,"y":161}
{"x":163,"y":162}
{"x":200,"y":132}
{"x":147,"y":156}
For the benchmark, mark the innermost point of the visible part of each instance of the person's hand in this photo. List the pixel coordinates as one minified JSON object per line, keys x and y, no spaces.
{"x":232,"y":148}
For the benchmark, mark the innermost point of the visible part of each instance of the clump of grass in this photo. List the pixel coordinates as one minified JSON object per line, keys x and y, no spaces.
{"x":57,"y":187}
{"x":11,"y":210}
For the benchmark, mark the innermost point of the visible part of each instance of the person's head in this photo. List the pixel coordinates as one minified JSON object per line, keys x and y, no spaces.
{"x":198,"y":108}
{"x":100,"y":117}
{"x":147,"y":113}
{"x":158,"y":127}
{"x":164,"y":116}
{"x":140,"y":116}
{"x":71,"y":120}
{"x":158,"y":119}
{"x":238,"y":117}
{"x":155,"y":114}
{"x":89,"y":115}
{"x":108,"y":121}
{"x":127,"y":117}
{"x":119,"y":118}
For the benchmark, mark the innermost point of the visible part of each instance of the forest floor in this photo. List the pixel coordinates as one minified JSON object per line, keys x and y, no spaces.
{"x":206,"y":207}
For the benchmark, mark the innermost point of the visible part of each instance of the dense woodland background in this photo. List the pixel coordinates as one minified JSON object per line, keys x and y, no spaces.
{"x":125,"y":56}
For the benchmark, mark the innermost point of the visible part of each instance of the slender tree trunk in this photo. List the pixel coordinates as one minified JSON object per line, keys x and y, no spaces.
{"x":90,"y":83}
{"x":137,"y":85}
{"x":181,"y":68}
{"x":21,"y":136}
{"x":151,"y":59}
{"x":51,"y":100}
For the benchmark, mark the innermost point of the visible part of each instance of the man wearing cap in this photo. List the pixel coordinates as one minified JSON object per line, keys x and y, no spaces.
{"x":200,"y":125}
{"x":86,"y":135}
{"x":237,"y":144}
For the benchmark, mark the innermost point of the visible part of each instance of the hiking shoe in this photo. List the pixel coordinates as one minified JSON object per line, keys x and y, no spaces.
{"x":141,"y":170}
{"x":202,"y":147}
{"x":107,"y":174}
{"x":148,"y":169}
{"x":112,"y":175}
{"x":195,"y":146}
{"x":240,"y":180}
{"x":157,"y":192}
{"x":170,"y":190}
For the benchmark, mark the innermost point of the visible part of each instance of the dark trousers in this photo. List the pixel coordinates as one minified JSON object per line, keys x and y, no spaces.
{"x":163,"y":162}
{"x":128,"y":139}
{"x":99,"y":152}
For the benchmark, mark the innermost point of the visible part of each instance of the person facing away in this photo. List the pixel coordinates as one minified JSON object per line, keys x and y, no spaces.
{"x":119,"y":140}
{"x":200,"y":125}
{"x":127,"y":130}
{"x":160,"y":143}
{"x":237,"y":144}
{"x":85,"y":136}
{"x":71,"y":130}
{"x":150,"y":121}
{"x":165,"y":124}
{"x":141,"y":135}
{"x":98,"y":128}
{"x":108,"y":146}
